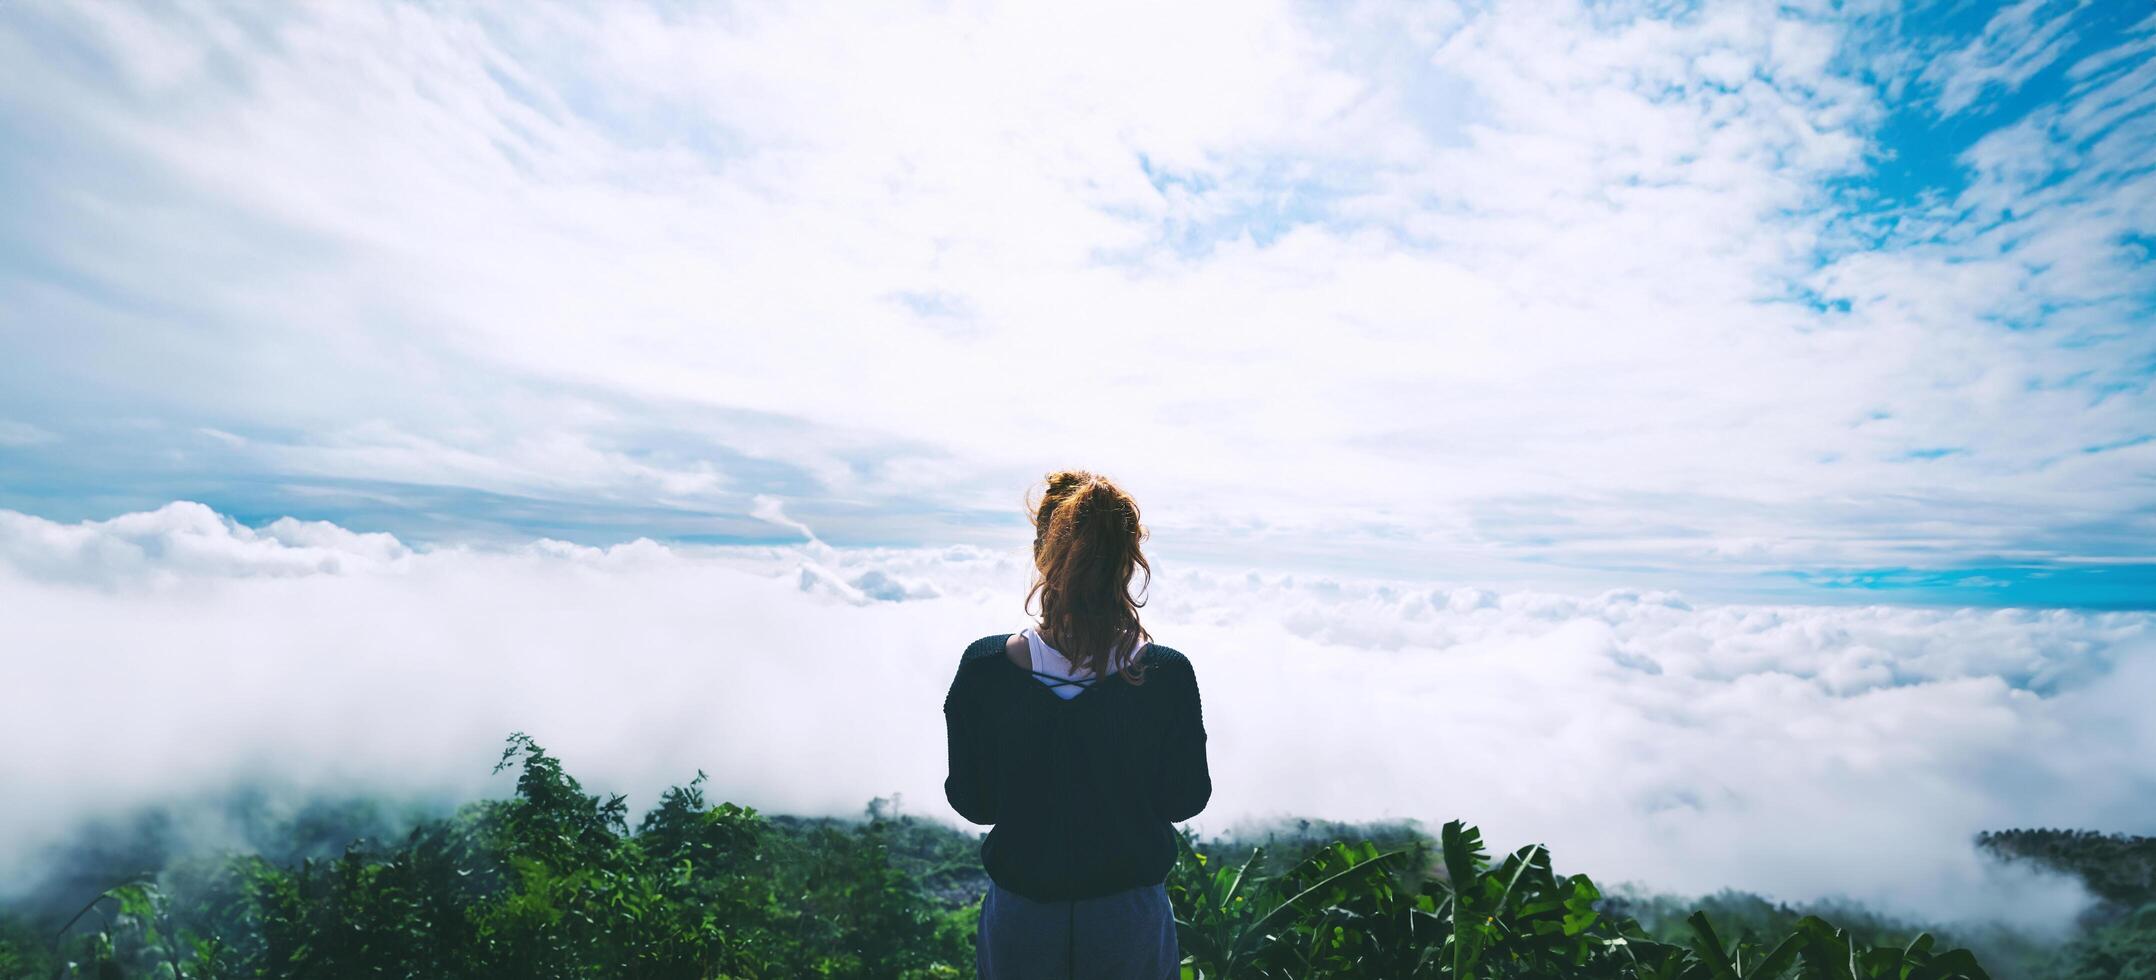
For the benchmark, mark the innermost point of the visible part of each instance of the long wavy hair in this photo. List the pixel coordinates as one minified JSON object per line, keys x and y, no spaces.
{"x":1085,"y":549}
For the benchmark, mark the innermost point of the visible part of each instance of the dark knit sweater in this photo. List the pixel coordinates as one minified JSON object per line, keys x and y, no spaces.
{"x":1083,"y":793}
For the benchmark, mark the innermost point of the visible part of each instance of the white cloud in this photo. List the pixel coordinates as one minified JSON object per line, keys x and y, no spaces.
{"x":182,"y":540}
{"x":2017,"y":42}
{"x":1453,"y":263}
{"x":1800,"y":751}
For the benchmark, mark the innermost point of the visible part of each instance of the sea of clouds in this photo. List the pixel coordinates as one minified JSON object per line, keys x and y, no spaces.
{"x":1799,"y":751}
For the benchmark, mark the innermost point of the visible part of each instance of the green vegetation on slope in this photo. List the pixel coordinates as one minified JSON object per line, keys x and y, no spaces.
{"x":2119,"y":869}
{"x":2118,"y":941}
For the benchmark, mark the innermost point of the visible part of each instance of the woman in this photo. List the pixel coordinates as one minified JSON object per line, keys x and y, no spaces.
{"x":1083,"y":743}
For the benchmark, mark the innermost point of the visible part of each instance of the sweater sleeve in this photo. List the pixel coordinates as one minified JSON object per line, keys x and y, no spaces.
{"x":1184,"y":782}
{"x":970,"y":787}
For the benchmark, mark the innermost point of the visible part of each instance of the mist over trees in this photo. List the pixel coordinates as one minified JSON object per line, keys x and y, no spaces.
{"x":558,"y":882}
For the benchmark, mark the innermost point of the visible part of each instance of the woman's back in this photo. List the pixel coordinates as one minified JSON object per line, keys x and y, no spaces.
{"x":1083,"y":791}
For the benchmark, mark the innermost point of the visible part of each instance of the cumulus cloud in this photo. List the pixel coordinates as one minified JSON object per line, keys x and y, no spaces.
{"x":1580,"y":288}
{"x":1799,"y":751}
{"x":185,"y":539}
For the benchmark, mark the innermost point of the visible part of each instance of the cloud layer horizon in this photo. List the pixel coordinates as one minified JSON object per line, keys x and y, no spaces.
{"x":1796,"y":751}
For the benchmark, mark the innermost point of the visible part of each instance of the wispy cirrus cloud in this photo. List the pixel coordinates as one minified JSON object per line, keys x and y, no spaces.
{"x":2018,"y":41}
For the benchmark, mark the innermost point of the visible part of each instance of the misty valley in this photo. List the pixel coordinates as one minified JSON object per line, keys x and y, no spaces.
{"x":557,"y":882}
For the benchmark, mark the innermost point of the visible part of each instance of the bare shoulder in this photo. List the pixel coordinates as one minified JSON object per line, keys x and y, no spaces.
{"x":1018,"y":652}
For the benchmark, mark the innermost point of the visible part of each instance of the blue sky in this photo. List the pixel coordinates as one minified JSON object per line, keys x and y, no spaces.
{"x":1752,"y":301}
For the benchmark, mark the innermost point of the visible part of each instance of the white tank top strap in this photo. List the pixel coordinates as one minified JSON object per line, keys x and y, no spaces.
{"x":1050,"y":667}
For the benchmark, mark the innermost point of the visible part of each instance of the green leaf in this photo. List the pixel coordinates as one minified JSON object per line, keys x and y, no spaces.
{"x":1709,"y":948}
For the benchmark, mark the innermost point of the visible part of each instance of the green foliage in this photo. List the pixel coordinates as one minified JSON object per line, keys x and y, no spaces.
{"x":2118,"y":868}
{"x":1358,"y":912}
{"x":2122,"y":950}
{"x":1741,"y":916}
{"x":1302,"y":921}
{"x":555,"y":883}
{"x":21,"y":955}
{"x":2119,"y":935}
{"x":551,"y":883}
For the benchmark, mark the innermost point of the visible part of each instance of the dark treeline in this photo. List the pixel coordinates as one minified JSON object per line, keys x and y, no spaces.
{"x":555,"y":883}
{"x":2119,"y":869}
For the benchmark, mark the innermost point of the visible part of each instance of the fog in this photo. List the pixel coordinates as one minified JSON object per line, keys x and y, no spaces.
{"x":1800,"y":752}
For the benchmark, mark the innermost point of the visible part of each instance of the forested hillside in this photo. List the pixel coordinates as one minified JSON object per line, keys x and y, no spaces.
{"x":555,"y":882}
{"x":2119,"y":869}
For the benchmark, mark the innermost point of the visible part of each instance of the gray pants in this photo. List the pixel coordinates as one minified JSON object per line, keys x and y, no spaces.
{"x":1129,"y":935}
